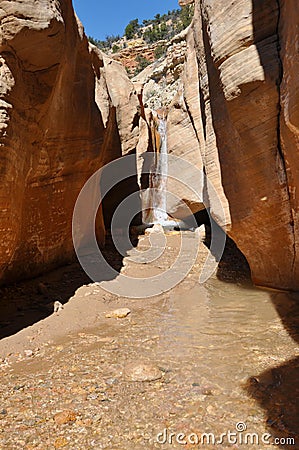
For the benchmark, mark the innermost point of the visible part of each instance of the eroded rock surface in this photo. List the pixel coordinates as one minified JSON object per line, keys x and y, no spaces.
{"x":66,"y":109}
{"x":239,"y":75}
{"x":230,"y":86}
{"x":235,"y":114}
{"x":289,"y":115}
{"x":161,"y":85}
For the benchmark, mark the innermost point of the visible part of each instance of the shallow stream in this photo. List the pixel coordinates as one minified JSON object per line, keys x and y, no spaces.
{"x":227,"y":354}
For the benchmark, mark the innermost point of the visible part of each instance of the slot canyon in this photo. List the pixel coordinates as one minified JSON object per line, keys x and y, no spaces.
{"x":149,"y":228}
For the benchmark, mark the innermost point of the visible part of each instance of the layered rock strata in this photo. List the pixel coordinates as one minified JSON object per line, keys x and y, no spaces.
{"x":230,"y":87}
{"x":234,"y":113}
{"x":66,"y":109}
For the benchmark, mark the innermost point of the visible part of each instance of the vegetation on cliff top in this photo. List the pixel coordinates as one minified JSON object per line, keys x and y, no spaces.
{"x":161,"y":27}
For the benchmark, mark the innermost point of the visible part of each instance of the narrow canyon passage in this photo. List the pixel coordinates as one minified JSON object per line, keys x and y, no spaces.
{"x":215,"y":355}
{"x":134,"y":157}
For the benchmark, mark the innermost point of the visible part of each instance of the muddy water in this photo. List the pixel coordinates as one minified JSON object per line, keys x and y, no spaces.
{"x":227,"y":352}
{"x":225,"y":348}
{"x":230,"y":323}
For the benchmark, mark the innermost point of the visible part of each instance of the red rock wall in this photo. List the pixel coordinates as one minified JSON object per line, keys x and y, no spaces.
{"x":66,"y":109}
{"x":249,"y":133}
{"x":235,"y":113}
{"x":289,"y":113}
{"x":54,"y":132}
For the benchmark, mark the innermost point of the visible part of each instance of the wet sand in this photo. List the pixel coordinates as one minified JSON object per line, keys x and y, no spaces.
{"x":225,"y":352}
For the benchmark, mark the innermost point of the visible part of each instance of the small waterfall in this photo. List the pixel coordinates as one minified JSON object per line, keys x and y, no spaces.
{"x":159,"y":177}
{"x":154,"y":193}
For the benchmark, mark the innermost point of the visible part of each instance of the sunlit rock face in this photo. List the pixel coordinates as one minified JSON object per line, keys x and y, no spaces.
{"x":185,"y":2}
{"x":289,"y":115}
{"x":231,"y":93}
{"x":163,"y":85}
{"x":233,"y":111}
{"x":66,"y":110}
{"x":249,"y":128}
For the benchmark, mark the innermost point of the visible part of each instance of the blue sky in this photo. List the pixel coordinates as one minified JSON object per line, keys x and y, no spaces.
{"x":106,"y":17}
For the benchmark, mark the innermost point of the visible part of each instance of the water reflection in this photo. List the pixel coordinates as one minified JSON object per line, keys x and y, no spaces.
{"x":236,"y":339}
{"x":277,"y":388}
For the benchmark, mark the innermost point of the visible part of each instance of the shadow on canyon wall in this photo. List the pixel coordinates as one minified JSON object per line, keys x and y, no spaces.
{"x":25,"y":303}
{"x":28,"y":302}
{"x":233,"y":266}
{"x":275,"y":389}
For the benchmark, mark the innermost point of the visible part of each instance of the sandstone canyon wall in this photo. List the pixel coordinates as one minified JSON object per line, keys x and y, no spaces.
{"x":231,"y":88}
{"x":250,"y":146}
{"x":235,"y":113}
{"x":245,"y":85}
{"x":65,"y":111}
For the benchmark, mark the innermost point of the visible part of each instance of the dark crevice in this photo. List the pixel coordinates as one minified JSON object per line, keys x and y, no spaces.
{"x":192,"y":121}
{"x":97,"y":64}
{"x":233,"y":266}
{"x":54,"y":34}
{"x":279,"y":146}
{"x":135,"y":122}
{"x":46,"y":69}
{"x":203,"y":112}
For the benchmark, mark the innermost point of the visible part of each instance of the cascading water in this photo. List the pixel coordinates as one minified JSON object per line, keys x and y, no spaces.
{"x":159,"y":178}
{"x":154,"y":198}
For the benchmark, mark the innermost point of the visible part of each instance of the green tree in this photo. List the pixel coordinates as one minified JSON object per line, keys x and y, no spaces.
{"x":104,"y":45}
{"x":186,"y":15}
{"x":157,"y":18}
{"x":163,"y":31}
{"x":157,"y":33}
{"x":131,"y":29}
{"x":110,"y":39}
{"x":128,"y":71}
{"x":92,"y":40}
{"x":159,"y":51}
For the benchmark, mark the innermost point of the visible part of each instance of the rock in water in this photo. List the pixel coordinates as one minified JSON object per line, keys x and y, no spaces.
{"x":142,"y":371}
{"x":157,"y":228}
